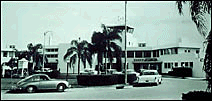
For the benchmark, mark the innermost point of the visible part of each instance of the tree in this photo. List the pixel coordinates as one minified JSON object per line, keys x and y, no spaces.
{"x":80,"y":51}
{"x":103,"y":45}
{"x":198,"y":10}
{"x":37,"y":58}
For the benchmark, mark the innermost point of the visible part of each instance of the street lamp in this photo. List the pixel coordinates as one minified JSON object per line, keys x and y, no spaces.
{"x":44,"y":49}
{"x":125,"y":69}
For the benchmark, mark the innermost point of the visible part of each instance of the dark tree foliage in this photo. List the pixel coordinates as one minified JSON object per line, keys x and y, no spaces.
{"x":198,"y":9}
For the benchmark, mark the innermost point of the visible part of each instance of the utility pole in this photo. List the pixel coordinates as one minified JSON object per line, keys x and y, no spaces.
{"x":125,"y":69}
{"x":44,"y":50}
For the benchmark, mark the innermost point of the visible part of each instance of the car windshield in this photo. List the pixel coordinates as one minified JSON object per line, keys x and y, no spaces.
{"x":150,"y":73}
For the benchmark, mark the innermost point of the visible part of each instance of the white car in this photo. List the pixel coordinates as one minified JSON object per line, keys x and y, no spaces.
{"x":149,"y":77}
{"x":131,"y":71}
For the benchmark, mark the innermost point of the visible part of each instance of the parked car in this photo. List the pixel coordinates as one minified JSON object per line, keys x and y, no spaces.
{"x":36,"y":82}
{"x":149,"y":77}
{"x":132,"y":71}
{"x":88,"y":71}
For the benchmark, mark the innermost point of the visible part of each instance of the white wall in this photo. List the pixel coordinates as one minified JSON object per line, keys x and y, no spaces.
{"x":184,"y":57}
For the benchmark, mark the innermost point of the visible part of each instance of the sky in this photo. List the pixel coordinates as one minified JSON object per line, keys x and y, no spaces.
{"x":155,"y":22}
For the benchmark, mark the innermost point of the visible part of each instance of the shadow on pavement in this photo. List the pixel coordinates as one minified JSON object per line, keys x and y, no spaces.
{"x":144,"y":85}
{"x":24,"y":92}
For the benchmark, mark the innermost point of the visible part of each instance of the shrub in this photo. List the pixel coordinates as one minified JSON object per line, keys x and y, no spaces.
{"x":194,"y":95}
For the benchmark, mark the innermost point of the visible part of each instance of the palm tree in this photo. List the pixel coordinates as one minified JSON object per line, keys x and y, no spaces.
{"x":35,"y":55}
{"x":198,"y":10}
{"x":80,"y":51}
{"x":103,"y":45}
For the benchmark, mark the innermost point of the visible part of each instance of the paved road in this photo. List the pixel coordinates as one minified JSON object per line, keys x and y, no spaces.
{"x":170,"y":89}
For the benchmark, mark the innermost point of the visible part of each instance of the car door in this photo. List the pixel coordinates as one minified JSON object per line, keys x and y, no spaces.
{"x":46,"y":83}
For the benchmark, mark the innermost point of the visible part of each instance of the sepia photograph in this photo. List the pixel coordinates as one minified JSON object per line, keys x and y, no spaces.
{"x":106,"y":50}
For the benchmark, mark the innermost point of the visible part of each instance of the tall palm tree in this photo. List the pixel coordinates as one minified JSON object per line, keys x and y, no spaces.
{"x":37,"y":58}
{"x":198,"y":10}
{"x":80,"y":51}
{"x":103,"y":45}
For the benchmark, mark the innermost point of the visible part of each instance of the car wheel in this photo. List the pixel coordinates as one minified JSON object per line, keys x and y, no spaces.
{"x":60,"y":87}
{"x":31,"y":89}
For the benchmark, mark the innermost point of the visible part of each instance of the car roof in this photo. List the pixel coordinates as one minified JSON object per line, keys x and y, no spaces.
{"x":150,"y":71}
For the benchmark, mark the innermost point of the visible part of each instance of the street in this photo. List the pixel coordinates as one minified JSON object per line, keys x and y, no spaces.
{"x":170,"y":89}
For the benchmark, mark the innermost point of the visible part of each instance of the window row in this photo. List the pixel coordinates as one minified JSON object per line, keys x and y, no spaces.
{"x":175,"y":64}
{"x":52,"y":50}
{"x":169,"y":51}
{"x":137,"y":54}
{"x":11,"y":54}
{"x":52,"y":55}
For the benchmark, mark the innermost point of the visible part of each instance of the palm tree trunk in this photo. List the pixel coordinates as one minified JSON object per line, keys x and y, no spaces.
{"x":105,"y":63}
{"x":78,"y":64}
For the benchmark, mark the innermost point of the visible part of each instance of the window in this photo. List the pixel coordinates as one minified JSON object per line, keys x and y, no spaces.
{"x":10,"y":54}
{"x":147,"y":54}
{"x":43,"y":78}
{"x":186,"y":64}
{"x":165,"y":65}
{"x":138,"y":54}
{"x":185,"y":50}
{"x":176,"y":64}
{"x":130,"y":54}
{"x":174,"y":51}
{"x":197,"y":51}
{"x":4,"y":54}
{"x":161,"y":52}
{"x":188,"y":51}
{"x":191,"y":64}
{"x":155,"y":53}
{"x":182,"y":63}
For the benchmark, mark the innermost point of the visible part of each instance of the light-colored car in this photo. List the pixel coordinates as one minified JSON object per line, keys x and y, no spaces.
{"x":36,"y":82}
{"x":132,"y":71}
{"x":149,"y":77}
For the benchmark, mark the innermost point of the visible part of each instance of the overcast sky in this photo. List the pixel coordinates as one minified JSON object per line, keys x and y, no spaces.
{"x":25,"y":22}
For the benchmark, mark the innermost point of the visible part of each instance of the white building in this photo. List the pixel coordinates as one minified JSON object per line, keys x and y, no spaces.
{"x":7,"y":54}
{"x":139,"y":55}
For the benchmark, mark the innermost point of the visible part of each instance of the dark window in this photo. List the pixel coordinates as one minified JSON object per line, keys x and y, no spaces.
{"x":130,"y":54}
{"x":56,"y":50}
{"x":4,"y":54}
{"x":186,"y":64}
{"x":185,"y":50}
{"x":48,"y":56}
{"x":182,"y":63}
{"x":197,"y":51}
{"x":176,"y":50}
{"x":176,"y":64}
{"x":165,"y":65}
{"x":191,"y":64}
{"x":147,"y":54}
{"x":155,"y":53}
{"x":43,"y":78}
{"x":161,"y":52}
{"x":188,"y":50}
{"x":138,"y":54}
